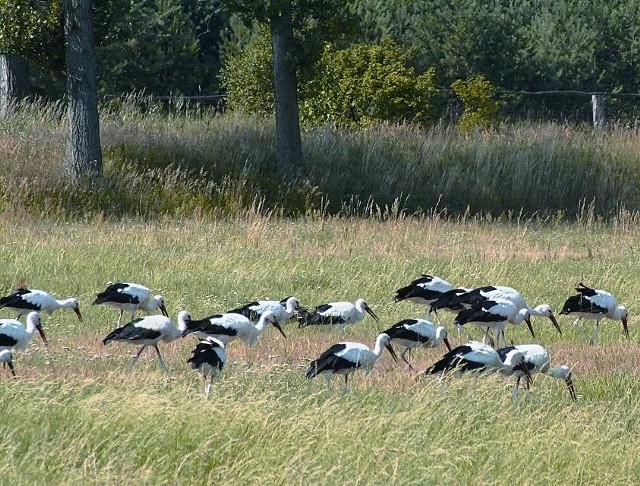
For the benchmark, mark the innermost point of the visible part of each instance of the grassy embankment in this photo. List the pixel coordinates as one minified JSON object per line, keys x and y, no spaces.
{"x":75,"y":415}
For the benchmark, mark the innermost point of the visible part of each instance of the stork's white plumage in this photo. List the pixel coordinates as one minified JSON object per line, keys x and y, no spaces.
{"x":208,"y":357}
{"x":282,"y":310}
{"x":229,"y":326}
{"x":595,"y":305}
{"x":423,"y":290}
{"x":417,"y":333}
{"x":6,"y":358}
{"x":24,"y":301}
{"x":15,"y":336}
{"x":494,"y":314}
{"x":149,"y":331}
{"x":130,"y":297}
{"x":537,"y":359}
{"x":346,"y":357}
{"x":479,"y":357}
{"x":338,"y":314}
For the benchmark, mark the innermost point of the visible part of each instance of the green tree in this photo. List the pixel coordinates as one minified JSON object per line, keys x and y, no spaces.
{"x":26,"y":25}
{"x":297,"y":29}
{"x":370,"y":82}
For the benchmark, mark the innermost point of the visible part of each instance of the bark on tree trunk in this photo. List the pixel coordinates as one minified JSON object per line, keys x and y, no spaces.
{"x":288,"y":142}
{"x":83,"y":154}
{"x":13,"y":82}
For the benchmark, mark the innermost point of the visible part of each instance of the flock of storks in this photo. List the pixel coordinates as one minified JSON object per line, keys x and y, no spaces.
{"x":490,"y":308}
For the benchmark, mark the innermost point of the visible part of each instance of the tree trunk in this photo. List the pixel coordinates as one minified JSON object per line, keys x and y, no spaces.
{"x":288,"y":142}
{"x":13,"y":82}
{"x":83,"y":154}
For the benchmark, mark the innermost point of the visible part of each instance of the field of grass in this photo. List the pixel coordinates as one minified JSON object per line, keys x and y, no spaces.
{"x":75,"y":415}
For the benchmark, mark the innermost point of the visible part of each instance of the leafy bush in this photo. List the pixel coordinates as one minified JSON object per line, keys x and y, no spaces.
{"x":480,"y":106}
{"x":248,"y":77}
{"x":368,"y":83}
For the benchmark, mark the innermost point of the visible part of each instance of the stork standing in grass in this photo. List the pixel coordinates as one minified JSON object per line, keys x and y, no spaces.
{"x":229,"y":326}
{"x":417,"y":333}
{"x":478,"y":357}
{"x":24,"y":301}
{"x":424,"y":290}
{"x":346,"y":357}
{"x":595,"y":305}
{"x":149,"y":331}
{"x":282,"y":310}
{"x":494,"y":314}
{"x":474,"y":297}
{"x":208,"y":357}
{"x":336,"y":314}
{"x":130,"y":297}
{"x":537,"y":359}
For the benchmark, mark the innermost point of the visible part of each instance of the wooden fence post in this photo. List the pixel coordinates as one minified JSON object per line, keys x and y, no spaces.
{"x":597,"y":105}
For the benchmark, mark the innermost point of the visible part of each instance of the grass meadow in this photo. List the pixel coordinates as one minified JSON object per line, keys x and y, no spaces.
{"x":75,"y":415}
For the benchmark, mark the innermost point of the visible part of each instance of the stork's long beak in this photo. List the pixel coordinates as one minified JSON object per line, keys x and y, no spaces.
{"x":572,"y":390}
{"x":77,"y":311}
{"x":276,"y":324}
{"x":447,"y":343}
{"x":163,"y":309}
{"x":44,"y":338}
{"x":555,"y":323}
{"x":371,"y":313}
{"x":625,"y":327}
{"x":392,"y":352}
{"x":528,"y":321}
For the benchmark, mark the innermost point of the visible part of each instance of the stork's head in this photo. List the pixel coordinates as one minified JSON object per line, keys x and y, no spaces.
{"x":269,"y":318}
{"x":621,"y":311}
{"x":159,"y":299}
{"x":545,"y":310}
{"x":362,"y":305}
{"x":34,"y":318}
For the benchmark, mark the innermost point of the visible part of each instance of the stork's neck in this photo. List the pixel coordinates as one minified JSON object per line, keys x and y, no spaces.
{"x":441,"y":332}
{"x":151,"y":304}
{"x":618,"y":312}
{"x":69,"y":303}
{"x":560,"y":372}
{"x":377,"y":350}
{"x":521,"y":315}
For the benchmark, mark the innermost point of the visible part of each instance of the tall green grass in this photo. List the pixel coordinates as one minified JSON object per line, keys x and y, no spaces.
{"x":195,"y":162}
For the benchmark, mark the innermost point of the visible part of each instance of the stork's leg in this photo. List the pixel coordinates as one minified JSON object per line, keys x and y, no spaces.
{"x":120,"y":317}
{"x":207,"y":387}
{"x":579,"y":328}
{"x":404,"y":355}
{"x":516,"y":390}
{"x":162,"y":363}
{"x":346,"y":382}
{"x":135,"y":358}
{"x":596,"y":333}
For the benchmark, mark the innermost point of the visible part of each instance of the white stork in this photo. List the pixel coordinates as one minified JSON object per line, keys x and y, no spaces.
{"x":338,"y":314}
{"x":595,"y":305}
{"x":229,"y":326}
{"x":346,"y":357}
{"x":149,"y":331}
{"x":478,"y":357}
{"x":130,"y":297}
{"x":494,"y":314}
{"x":208,"y":357}
{"x":536,"y":359}
{"x":15,"y":336}
{"x":24,"y":301}
{"x":424,"y":290}
{"x":282,"y":310}
{"x":473,"y":297}
{"x":417,"y":333}
{"x":6,"y":358}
